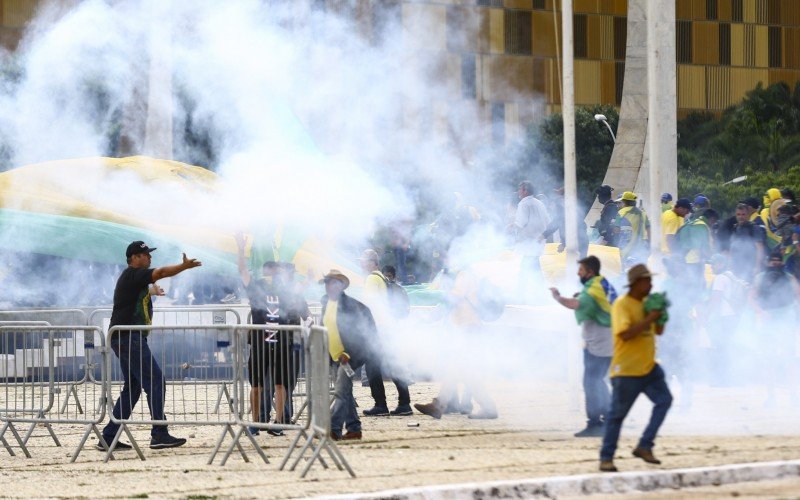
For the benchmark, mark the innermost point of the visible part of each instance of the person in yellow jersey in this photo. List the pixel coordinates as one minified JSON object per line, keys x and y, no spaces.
{"x":631,"y":228}
{"x":351,"y":331}
{"x":376,"y":296}
{"x":671,"y":221}
{"x":465,"y":321}
{"x":666,"y":202}
{"x":634,"y":369}
{"x":766,"y":220}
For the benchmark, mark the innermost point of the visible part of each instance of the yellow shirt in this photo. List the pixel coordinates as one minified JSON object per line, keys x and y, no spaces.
{"x":335,"y":345}
{"x":635,"y":357}
{"x":376,"y":297}
{"x":464,"y":292}
{"x":670,"y":223}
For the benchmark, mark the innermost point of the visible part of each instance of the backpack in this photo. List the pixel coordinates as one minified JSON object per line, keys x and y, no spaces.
{"x":399,"y":304}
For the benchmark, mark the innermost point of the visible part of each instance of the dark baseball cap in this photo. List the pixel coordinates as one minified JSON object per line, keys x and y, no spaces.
{"x":604,"y":189}
{"x":752,"y":202}
{"x":136,"y":248}
{"x":683,"y":203}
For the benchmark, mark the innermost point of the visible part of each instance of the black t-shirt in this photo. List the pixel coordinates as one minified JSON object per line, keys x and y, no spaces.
{"x":274,"y":304}
{"x":132,"y":302}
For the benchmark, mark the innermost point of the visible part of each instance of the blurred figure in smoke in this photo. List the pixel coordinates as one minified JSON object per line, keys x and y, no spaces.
{"x":272,"y":361}
{"x":604,"y":225}
{"x":558,"y":223}
{"x":592,"y":308}
{"x":728,"y":295}
{"x":530,"y":222}
{"x":634,"y":369}
{"x":700,"y":204}
{"x":746,"y":244}
{"x":133,"y":305}
{"x":376,"y":297}
{"x":631,"y":229}
{"x":449,"y":225}
{"x":465,"y":320}
{"x":775,"y":295}
{"x":672,"y":220}
{"x":727,"y":227}
{"x":680,"y":354}
{"x":351,"y":331}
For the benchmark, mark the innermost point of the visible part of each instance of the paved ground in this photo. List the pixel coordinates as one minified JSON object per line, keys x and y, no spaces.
{"x":533,"y":438}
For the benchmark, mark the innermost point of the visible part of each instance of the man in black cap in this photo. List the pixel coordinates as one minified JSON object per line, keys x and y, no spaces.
{"x":140,"y":371}
{"x":607,"y":215}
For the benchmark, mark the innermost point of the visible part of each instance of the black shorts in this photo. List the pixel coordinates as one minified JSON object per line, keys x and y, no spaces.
{"x":276,"y":358}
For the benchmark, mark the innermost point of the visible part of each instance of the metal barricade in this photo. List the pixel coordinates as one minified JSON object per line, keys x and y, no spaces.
{"x":162,"y":361}
{"x":39,"y":362}
{"x":216,"y":357}
{"x":270,"y":360}
{"x":319,"y":424}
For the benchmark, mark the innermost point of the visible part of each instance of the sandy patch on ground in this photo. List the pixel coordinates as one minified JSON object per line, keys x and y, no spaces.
{"x":533,"y":438}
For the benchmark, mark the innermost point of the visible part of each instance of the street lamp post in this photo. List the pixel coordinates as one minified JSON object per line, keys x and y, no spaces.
{"x":602,"y":119}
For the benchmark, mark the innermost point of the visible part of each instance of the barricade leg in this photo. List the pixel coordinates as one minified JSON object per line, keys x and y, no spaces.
{"x":47,"y":425}
{"x":10,"y":426}
{"x":5,"y":442}
{"x":89,"y":429}
{"x":293,"y":446}
{"x":334,"y":452}
{"x":223,"y":391}
{"x":243,"y":430}
{"x":227,"y":430}
{"x":71,"y":391}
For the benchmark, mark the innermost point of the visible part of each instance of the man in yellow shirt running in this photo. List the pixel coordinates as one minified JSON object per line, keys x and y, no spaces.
{"x":634,"y":369}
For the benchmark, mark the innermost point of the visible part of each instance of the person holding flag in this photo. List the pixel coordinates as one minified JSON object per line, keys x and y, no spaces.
{"x":592,"y":308}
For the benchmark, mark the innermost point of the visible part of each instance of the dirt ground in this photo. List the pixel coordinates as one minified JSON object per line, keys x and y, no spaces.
{"x":532,"y":438}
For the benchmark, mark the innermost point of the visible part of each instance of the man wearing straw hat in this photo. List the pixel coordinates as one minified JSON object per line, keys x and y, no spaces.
{"x":633,"y":367}
{"x":351,"y":328}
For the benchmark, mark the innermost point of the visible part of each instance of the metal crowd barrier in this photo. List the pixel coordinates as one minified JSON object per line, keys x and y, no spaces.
{"x":185,"y":399}
{"x":39,"y":362}
{"x":271,"y":359}
{"x":319,"y":425}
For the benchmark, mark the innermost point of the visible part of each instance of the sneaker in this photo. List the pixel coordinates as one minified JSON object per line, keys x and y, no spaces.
{"x":377,"y":411}
{"x":254,"y":431}
{"x":275,"y":432}
{"x":430,"y":409}
{"x":231,"y":298}
{"x":646,"y":455}
{"x":120,"y":446}
{"x":166,"y":441}
{"x":483,"y":415}
{"x":351,"y":435}
{"x":591,"y":431}
{"x":402,"y":411}
{"x":607,"y":466}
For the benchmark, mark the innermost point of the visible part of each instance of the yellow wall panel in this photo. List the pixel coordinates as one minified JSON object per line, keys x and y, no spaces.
{"x":691,"y":86}
{"x":496,"y":31}
{"x":749,"y":8}
{"x":586,"y":6}
{"x":518,"y":4}
{"x":608,"y":93}
{"x":507,"y":78}
{"x":749,"y":45}
{"x":683,"y":9}
{"x":762,"y":9}
{"x":791,"y":47}
{"x":718,"y":94}
{"x":699,"y":10}
{"x":725,"y":10}
{"x":737,"y":44}
{"x":744,"y":80}
{"x":554,"y":89}
{"x":544,"y":43}
{"x":705,"y":42}
{"x":788,"y":76}
{"x":17,"y":13}
{"x":790,"y":12}
{"x":761,"y":46}
{"x":607,"y":37}
{"x":594,"y":37}
{"x":587,"y":81}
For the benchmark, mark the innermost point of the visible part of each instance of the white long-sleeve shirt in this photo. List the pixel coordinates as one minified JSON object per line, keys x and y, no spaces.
{"x":531,"y":220}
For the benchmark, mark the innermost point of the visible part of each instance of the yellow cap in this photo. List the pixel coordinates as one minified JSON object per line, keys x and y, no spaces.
{"x":627,"y":196}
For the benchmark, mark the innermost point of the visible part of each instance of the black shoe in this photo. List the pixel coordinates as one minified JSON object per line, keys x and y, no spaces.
{"x":120,"y":446}
{"x":402,"y":411}
{"x":254,"y":431}
{"x":275,"y":432}
{"x":377,"y":411}
{"x":591,"y":431}
{"x":166,"y":441}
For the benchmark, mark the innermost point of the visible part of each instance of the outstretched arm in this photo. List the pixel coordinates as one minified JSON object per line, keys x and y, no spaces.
{"x":169,"y":271}
{"x":244,"y":273}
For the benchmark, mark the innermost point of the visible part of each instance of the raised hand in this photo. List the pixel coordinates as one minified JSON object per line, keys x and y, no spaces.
{"x":190,"y":263}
